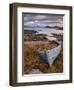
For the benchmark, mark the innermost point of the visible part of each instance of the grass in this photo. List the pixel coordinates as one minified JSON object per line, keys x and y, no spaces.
{"x":32,"y":60}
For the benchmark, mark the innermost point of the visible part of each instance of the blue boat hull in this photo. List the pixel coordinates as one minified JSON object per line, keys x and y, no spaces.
{"x":44,"y":57}
{"x":49,"y":56}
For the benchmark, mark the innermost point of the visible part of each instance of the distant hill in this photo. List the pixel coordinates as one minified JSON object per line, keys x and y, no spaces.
{"x":61,"y":28}
{"x":30,"y":31}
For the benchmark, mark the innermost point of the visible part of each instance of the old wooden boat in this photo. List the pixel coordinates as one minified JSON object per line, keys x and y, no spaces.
{"x":49,"y":56}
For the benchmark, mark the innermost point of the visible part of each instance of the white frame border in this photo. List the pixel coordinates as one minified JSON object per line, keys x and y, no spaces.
{"x":42,"y":77}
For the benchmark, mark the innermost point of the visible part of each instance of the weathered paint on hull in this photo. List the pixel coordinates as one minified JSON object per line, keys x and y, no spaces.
{"x":49,"y":56}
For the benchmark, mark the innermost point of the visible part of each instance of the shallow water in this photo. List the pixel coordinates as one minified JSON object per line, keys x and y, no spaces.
{"x":47,"y":31}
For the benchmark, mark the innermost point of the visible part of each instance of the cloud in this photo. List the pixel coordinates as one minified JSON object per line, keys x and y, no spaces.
{"x":34,"y":20}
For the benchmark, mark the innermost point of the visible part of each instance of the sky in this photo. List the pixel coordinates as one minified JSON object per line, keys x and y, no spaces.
{"x":39,"y":20}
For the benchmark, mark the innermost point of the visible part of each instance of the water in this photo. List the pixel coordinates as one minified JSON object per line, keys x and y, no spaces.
{"x":47,"y":31}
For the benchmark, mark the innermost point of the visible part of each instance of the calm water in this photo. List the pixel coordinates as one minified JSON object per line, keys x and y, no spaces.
{"x":47,"y":31}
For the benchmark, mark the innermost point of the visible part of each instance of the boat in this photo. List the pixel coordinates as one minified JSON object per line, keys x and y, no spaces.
{"x":49,"y":56}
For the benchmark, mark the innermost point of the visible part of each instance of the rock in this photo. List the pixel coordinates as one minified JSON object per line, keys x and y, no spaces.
{"x":35,"y":71}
